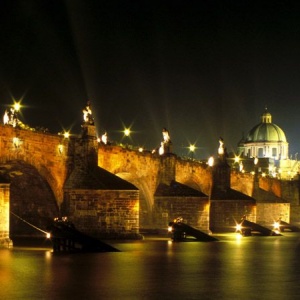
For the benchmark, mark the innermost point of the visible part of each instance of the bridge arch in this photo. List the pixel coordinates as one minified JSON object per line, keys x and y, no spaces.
{"x":31,"y":198}
{"x":48,"y":153}
{"x":146,"y":197}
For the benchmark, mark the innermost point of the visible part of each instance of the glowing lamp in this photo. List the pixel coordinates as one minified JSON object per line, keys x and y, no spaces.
{"x":17,"y":106}
{"x":66,"y":134}
{"x":192,"y":148}
{"x":276,"y":226}
{"x":127,"y":132}
{"x":238,"y":227}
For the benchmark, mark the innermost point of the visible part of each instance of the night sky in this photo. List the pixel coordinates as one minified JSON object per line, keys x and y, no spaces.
{"x":202,"y":69}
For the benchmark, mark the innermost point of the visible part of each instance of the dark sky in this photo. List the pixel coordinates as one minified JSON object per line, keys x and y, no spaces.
{"x":202,"y":69}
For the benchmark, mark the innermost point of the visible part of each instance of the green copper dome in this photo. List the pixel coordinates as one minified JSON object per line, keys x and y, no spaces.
{"x":266,"y":131}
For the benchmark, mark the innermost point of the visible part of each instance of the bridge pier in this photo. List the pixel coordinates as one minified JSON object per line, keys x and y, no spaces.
{"x":5,"y":241}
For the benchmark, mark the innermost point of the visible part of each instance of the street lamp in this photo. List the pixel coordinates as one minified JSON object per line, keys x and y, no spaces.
{"x":126,"y":135}
{"x":127,"y":131}
{"x":66,"y":134}
{"x":192,"y":149}
{"x":17,"y":106}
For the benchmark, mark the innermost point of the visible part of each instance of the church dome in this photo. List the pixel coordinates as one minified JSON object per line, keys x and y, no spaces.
{"x":265,"y":140}
{"x":266,"y":131}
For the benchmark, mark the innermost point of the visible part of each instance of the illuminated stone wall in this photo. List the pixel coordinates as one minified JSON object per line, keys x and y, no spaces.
{"x":242,"y":182}
{"x":143,"y":170}
{"x":97,"y":212}
{"x":4,"y":215}
{"x":194,"y":174}
{"x":225,"y":213}
{"x":48,"y":153}
{"x":267,"y":213}
{"x":193,"y":210}
{"x":146,"y":170}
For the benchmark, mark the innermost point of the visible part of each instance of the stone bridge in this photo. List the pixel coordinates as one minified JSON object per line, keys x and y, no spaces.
{"x":38,"y":164}
{"x":146,"y":170}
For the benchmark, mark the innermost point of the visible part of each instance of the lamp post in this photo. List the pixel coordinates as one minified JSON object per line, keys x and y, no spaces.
{"x":126,"y":133}
{"x":192,"y":150}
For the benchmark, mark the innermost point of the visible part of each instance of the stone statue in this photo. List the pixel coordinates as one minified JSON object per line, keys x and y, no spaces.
{"x":87,"y":114}
{"x":104,"y":138}
{"x":221,"y":146}
{"x":5,"y":118}
{"x":166,"y":136}
{"x":166,"y":143}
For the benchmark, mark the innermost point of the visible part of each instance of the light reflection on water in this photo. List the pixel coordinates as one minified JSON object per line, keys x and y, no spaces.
{"x":250,"y":268}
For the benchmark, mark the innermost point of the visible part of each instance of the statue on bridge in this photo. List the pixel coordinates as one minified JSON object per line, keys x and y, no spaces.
{"x":11,"y":118}
{"x":104,"y":138}
{"x":221,"y":146}
{"x":222,"y":151}
{"x":87,"y":114}
{"x":165,"y":145}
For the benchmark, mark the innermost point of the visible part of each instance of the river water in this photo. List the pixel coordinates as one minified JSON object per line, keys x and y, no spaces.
{"x":155,"y":268}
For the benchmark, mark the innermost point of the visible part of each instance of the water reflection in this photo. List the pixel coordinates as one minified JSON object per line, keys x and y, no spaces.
{"x":249,"y":268}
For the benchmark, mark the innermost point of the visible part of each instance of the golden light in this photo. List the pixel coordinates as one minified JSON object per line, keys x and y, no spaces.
{"x":170,"y":229}
{"x":238,"y":227}
{"x":276,"y":226}
{"x":127,"y":131}
{"x":239,"y":237}
{"x":211,"y":161}
{"x":141,"y":149}
{"x":66,"y":134}
{"x":17,"y":106}
{"x":136,"y":207}
{"x":236,"y":159}
{"x":192,"y":148}
{"x":255,"y":160}
{"x":16,"y":142}
{"x":60,"y":148}
{"x":48,"y":235}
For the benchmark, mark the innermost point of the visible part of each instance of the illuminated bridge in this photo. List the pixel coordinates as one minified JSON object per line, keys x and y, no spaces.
{"x":99,"y":186}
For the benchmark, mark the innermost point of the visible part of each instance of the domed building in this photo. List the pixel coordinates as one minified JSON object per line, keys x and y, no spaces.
{"x":265,"y":140}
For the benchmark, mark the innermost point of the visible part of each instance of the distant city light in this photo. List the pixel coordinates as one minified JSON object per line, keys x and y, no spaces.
{"x":66,"y":134}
